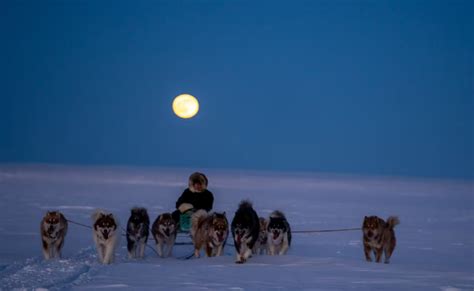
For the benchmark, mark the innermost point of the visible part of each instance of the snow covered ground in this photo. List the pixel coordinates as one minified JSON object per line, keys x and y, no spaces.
{"x":435,"y":237}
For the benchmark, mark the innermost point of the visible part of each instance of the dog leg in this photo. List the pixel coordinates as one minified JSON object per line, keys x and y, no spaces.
{"x":159,"y":249}
{"x":283,"y":250}
{"x":135,"y":249}
{"x":238,"y":260}
{"x":378,"y":255}
{"x":165,"y":249}
{"x":106,"y":259}
{"x":388,"y":250}
{"x":170,"y":249}
{"x":59,"y":248}
{"x":142,"y":250}
{"x":196,"y":252}
{"x":214,"y":251}
{"x":46,"y":253}
{"x":256,"y":247}
{"x":246,"y":252}
{"x":109,"y":254}
{"x":54,"y":250}
{"x":285,"y":246}
{"x":131,"y":250}
{"x":387,"y":256}
{"x":271,"y":250}
{"x":110,"y":250}
{"x":219,"y":250}
{"x":100,"y":253}
{"x":51,"y":251}
{"x":197,"y":248}
{"x":208,"y":250}
{"x":367,"y":253}
{"x":242,"y":258}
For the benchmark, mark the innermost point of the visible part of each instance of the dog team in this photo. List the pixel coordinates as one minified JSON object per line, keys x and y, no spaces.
{"x":252,"y":235}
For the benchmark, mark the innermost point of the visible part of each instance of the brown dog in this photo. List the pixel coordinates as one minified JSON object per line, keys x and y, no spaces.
{"x":209,"y":230}
{"x":165,"y":230}
{"x":53,"y":233}
{"x":379,"y":236}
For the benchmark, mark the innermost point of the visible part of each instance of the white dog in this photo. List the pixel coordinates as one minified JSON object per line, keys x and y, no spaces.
{"x":105,"y":235}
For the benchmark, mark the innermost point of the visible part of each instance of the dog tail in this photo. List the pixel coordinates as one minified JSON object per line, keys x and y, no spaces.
{"x":277,"y":214}
{"x":139,"y":210}
{"x":245,"y":204}
{"x":196,"y":219}
{"x":392,"y":221}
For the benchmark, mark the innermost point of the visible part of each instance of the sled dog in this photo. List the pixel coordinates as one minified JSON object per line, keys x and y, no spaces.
{"x":137,"y":232}
{"x":379,"y":236}
{"x":245,"y":228}
{"x":53,"y":233}
{"x":278,"y":234}
{"x":105,"y":235}
{"x":164,"y":232}
{"x":209,"y":230}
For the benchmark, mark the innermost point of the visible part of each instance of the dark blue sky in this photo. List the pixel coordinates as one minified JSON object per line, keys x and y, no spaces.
{"x":370,"y":87}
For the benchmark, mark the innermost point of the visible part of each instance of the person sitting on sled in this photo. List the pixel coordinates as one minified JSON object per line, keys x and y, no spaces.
{"x":195,"y":197}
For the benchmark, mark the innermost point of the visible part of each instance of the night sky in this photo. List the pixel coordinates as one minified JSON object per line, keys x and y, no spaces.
{"x":352,"y":87}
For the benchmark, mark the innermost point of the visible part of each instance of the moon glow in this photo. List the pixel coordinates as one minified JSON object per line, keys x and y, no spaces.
{"x":185,"y":106}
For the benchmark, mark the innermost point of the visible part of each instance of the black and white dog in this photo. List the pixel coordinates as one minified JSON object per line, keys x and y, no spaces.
{"x":245,"y":228}
{"x":137,"y":232}
{"x":105,"y":235}
{"x":279,"y":234}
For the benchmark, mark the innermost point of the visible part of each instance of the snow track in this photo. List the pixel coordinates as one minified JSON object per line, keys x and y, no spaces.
{"x":54,"y":274}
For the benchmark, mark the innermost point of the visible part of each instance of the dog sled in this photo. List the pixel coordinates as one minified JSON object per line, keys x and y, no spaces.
{"x":184,"y":229}
{"x":185,"y":221}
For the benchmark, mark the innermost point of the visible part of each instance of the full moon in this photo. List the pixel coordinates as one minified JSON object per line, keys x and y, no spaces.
{"x":185,"y":106}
